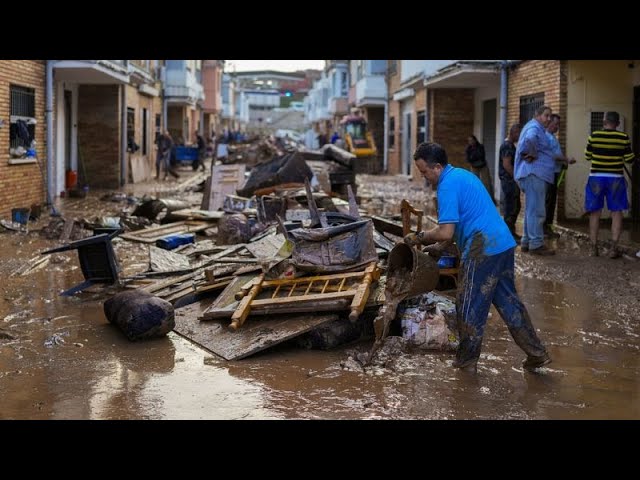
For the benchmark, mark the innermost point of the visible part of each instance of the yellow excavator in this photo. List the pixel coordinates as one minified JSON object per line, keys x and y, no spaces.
{"x":358,"y":139}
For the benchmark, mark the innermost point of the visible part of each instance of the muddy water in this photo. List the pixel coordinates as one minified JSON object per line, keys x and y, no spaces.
{"x":60,"y":359}
{"x":93,"y":372}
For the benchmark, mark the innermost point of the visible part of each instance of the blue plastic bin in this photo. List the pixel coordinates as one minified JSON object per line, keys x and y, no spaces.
{"x":447,"y":262}
{"x":186,"y":154}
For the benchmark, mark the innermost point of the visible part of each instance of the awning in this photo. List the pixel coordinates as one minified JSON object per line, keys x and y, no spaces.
{"x":465,"y":75}
{"x":103,"y":72}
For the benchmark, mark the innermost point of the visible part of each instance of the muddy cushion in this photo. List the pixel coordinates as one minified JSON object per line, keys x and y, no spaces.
{"x":140,"y":315}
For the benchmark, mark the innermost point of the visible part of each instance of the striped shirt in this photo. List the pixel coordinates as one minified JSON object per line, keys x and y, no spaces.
{"x":607,"y":150}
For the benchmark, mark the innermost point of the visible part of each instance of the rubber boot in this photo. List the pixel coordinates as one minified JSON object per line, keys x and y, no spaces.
{"x":527,"y":339}
{"x":468,"y":352}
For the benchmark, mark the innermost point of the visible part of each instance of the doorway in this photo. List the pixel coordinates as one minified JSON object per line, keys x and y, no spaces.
{"x":635,"y":175}
{"x":67,"y":130}
{"x":406,"y":145}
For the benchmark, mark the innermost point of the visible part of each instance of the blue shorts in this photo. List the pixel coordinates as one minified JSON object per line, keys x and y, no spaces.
{"x":615,"y":189}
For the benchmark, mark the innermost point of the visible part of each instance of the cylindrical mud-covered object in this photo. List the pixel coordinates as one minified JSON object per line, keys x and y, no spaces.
{"x":418,"y":269}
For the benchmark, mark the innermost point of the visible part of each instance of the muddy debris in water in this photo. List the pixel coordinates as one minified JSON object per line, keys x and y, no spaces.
{"x":396,"y":289}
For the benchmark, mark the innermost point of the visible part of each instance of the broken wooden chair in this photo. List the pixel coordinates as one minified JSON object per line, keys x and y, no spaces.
{"x":306,"y":294}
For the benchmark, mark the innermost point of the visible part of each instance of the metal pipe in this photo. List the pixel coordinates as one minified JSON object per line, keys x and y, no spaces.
{"x":123,"y":137}
{"x":50,"y":186}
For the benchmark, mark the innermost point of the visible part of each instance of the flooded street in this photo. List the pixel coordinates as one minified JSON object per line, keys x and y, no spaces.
{"x":61,"y":359}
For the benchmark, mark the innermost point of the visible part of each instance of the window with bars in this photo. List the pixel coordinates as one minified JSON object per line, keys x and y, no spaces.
{"x":528,"y":106}
{"x":392,"y":132}
{"x":22,"y":108}
{"x":422,"y":127}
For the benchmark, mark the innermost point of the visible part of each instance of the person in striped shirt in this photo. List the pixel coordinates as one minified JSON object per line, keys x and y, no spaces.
{"x":607,"y":150}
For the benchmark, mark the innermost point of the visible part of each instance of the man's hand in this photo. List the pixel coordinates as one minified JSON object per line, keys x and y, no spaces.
{"x":412,"y":239}
{"x":435,"y":250}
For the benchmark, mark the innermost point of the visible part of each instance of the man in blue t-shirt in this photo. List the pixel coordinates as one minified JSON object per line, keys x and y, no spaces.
{"x":467,"y":214}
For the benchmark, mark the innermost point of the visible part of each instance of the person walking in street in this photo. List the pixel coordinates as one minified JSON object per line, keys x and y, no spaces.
{"x":467,"y":214}
{"x":562,"y":163}
{"x":607,"y":150}
{"x":510,"y":189}
{"x":476,"y":158}
{"x":534,"y":171}
{"x":202,"y":152}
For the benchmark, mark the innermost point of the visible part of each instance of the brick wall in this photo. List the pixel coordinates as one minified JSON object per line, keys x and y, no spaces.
{"x":99,"y":134}
{"x":538,"y":76}
{"x":22,"y":185}
{"x":451,"y":121}
{"x":394,"y":166}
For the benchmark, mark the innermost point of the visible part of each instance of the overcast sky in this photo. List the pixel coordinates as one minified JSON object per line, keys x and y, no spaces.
{"x":280,"y":65}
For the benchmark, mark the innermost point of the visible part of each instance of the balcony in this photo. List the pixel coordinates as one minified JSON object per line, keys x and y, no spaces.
{"x":182,"y":88}
{"x":371,"y":90}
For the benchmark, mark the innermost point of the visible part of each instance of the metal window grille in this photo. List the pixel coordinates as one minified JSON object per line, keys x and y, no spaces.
{"x":22,"y":104}
{"x":422,"y":127}
{"x":596,"y":122}
{"x":528,"y":106}
{"x":392,"y":132}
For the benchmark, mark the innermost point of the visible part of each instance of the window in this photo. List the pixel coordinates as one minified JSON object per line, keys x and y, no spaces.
{"x":22,"y":109}
{"x":528,"y":106}
{"x":392,"y":132}
{"x":343,"y":84}
{"x":158,"y":123}
{"x":422,"y":127}
{"x":145,"y":116}
{"x":131,"y":125}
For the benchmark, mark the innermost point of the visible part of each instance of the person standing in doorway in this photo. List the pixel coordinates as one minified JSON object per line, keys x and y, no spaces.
{"x":510,"y":189}
{"x":476,"y":158}
{"x":466,"y":213}
{"x":607,"y":150}
{"x":561,"y":163}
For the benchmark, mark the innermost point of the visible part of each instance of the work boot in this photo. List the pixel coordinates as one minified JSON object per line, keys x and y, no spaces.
{"x":594,"y":250}
{"x":614,"y":252}
{"x":543,"y":251}
{"x":527,"y":339}
{"x":468,"y":352}
{"x":533,"y":363}
{"x":524,"y":248}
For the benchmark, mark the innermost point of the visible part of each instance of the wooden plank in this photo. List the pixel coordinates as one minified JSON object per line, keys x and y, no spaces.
{"x":225,"y":180}
{"x":155,"y":286}
{"x":192,"y":213}
{"x":254,"y":336}
{"x":226,"y":303}
{"x":139,"y":168}
{"x":161,"y":260}
{"x":384,"y":225}
{"x":267,"y":247}
{"x":150,"y":235}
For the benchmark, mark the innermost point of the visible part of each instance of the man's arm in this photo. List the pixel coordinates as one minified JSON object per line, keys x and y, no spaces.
{"x":506,"y":163}
{"x":442,"y":233}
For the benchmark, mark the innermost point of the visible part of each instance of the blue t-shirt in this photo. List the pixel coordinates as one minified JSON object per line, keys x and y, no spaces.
{"x":464,"y":200}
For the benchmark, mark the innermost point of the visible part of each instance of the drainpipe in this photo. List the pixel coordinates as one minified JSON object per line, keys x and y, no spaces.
{"x":123,"y":137}
{"x":385,"y":161}
{"x":503,"y":99}
{"x":49,"y":121}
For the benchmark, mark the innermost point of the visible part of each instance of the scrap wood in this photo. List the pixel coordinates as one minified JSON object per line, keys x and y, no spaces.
{"x":190,"y":181}
{"x":151,"y":235}
{"x":32,"y":265}
{"x":197,"y":214}
{"x":161,"y":260}
{"x":255,"y":336}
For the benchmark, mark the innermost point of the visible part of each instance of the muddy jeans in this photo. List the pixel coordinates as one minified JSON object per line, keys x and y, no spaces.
{"x":486,"y":281}
{"x":535,"y":213}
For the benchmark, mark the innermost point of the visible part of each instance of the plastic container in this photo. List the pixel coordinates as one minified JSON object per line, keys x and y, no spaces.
{"x":174,"y":241}
{"x":71,"y":179}
{"x":20,"y":215}
{"x":447,"y":261}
